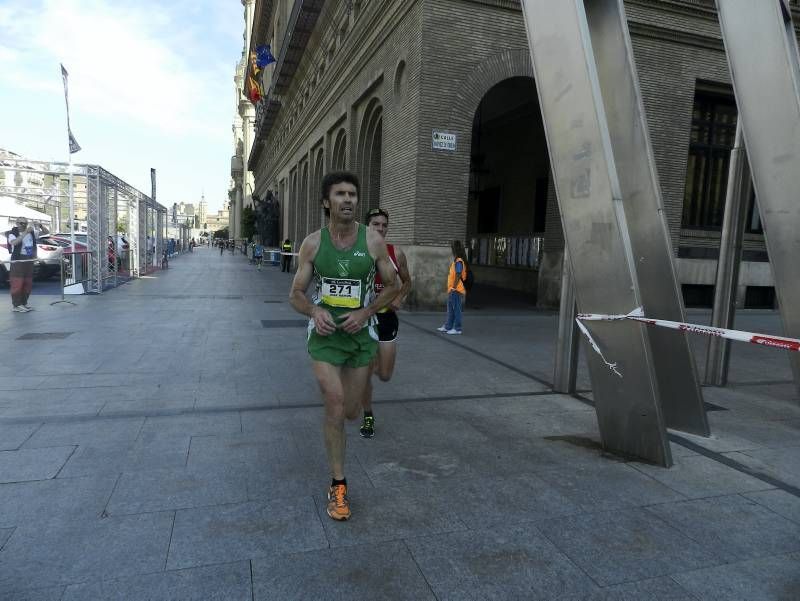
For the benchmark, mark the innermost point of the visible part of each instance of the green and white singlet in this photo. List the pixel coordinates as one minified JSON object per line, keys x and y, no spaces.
{"x":345,"y":279}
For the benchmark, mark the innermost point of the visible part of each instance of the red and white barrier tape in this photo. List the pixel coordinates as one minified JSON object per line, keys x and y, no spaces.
{"x":789,"y":344}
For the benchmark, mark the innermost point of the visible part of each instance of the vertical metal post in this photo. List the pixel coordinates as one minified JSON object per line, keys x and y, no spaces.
{"x":730,"y":256}
{"x":565,"y":374}
{"x":762,"y":50}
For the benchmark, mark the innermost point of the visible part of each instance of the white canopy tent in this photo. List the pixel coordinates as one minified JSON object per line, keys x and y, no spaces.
{"x":10,"y":210}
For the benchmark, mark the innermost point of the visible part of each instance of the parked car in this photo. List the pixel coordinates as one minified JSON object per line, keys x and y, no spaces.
{"x":66,"y":244}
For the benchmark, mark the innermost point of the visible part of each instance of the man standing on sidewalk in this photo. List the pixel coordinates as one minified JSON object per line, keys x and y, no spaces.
{"x":286,"y":256}
{"x":342,"y":341}
{"x":22,"y":246}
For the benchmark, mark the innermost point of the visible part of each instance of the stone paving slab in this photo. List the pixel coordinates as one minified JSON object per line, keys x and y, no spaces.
{"x":46,"y":409}
{"x":176,"y":488}
{"x":226,"y":533}
{"x":362,"y":573}
{"x":226,"y":582}
{"x":655,"y":589}
{"x":127,"y":457}
{"x":500,"y":563}
{"x":193,"y":425}
{"x":608,"y":487}
{"x":75,"y":551}
{"x":779,"y":501}
{"x":146,"y":407}
{"x":765,"y":579}
{"x":734,"y":527}
{"x":42,"y":594}
{"x":16,"y":383}
{"x":54,"y":499}
{"x":5,"y":534}
{"x":33,"y":464}
{"x":699,"y":476}
{"x":87,"y":432}
{"x":13,"y":435}
{"x":617,"y":547}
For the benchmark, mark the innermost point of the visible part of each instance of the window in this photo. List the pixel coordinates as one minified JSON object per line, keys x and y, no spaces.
{"x":712,"y":137}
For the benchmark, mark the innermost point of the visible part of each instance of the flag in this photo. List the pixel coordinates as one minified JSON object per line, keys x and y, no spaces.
{"x":252,"y":87}
{"x":264,"y":56}
{"x":73,"y":143}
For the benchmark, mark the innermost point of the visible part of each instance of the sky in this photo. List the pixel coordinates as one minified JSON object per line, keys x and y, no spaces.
{"x":150,"y":85}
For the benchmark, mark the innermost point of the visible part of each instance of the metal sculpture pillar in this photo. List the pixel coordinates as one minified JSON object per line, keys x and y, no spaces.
{"x":730,"y":258}
{"x":590,"y":196}
{"x":765,"y":69}
{"x":565,"y":372}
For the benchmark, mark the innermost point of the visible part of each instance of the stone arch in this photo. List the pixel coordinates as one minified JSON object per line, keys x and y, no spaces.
{"x":302,"y":205}
{"x":292,"y":212}
{"x":339,"y":155}
{"x":315,"y":207}
{"x":370,"y":155}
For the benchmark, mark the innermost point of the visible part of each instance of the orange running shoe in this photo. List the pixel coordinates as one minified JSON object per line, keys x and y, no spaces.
{"x":338,"y":504}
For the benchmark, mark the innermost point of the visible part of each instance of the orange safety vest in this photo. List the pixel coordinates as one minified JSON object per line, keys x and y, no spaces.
{"x":453,"y":281}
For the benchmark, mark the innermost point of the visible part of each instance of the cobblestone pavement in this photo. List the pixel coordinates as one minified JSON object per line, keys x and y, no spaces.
{"x":162,"y":441}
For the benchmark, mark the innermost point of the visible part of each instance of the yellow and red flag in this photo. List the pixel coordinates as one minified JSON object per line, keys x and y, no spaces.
{"x":252,"y":86}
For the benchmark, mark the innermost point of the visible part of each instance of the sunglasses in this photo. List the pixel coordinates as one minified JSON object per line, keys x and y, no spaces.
{"x":376,"y":212}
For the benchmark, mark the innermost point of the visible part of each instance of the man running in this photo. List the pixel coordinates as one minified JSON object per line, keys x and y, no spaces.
{"x":342,"y":259}
{"x":378,"y":220}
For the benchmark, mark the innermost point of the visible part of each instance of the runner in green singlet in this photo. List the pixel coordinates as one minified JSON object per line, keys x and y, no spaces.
{"x":342,"y":259}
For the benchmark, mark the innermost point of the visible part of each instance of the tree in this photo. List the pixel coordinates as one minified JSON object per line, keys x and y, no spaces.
{"x":248,"y":222}
{"x":223,"y":233}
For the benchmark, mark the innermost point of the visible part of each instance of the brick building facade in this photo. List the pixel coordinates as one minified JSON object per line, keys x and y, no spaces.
{"x":367,"y":85}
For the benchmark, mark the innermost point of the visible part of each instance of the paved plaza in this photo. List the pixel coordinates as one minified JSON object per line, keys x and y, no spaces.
{"x":162,"y":441}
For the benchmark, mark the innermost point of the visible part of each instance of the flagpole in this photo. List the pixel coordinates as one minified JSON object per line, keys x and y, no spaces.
{"x":73,"y":147}
{"x":72,"y":218}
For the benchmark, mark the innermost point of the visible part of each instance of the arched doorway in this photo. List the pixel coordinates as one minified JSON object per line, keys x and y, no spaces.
{"x":370,"y":155}
{"x":508,"y":186}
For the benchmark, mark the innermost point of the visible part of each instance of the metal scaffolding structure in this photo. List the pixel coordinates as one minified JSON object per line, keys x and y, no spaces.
{"x":105,"y":208}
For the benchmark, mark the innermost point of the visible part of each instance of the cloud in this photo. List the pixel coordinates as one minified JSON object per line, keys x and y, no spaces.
{"x":137,"y":61}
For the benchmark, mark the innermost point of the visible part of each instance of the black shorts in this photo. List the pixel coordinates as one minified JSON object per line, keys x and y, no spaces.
{"x":387,"y":326}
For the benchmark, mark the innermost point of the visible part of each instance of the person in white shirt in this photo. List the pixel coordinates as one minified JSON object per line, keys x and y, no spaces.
{"x":22,"y":246}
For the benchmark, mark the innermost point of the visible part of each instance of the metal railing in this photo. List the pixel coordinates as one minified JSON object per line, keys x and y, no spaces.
{"x":506,"y":251}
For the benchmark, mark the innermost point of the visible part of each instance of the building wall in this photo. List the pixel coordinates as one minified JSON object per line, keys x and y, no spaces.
{"x":341,"y":81}
{"x":454,"y":52}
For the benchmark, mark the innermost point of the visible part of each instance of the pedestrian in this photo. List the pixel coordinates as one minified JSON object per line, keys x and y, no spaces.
{"x":388,"y":324}
{"x":286,"y":255}
{"x":342,"y":259}
{"x":258,"y":254}
{"x":456,"y":292}
{"x":21,"y":241}
{"x":221,"y":247}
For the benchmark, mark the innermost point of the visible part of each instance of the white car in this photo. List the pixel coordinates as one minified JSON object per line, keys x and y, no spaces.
{"x":49,"y":257}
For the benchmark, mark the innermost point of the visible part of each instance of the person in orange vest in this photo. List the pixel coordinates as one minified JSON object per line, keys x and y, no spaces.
{"x":456,"y":291}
